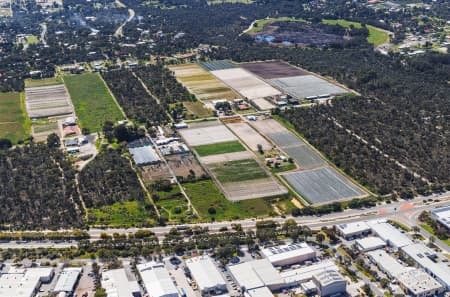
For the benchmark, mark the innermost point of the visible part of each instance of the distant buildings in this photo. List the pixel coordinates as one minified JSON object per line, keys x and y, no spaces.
{"x":68,"y":280}
{"x":442,"y":215}
{"x":205,"y":273}
{"x":116,"y":284}
{"x":24,"y":282}
{"x":284,"y":255}
{"x":156,"y":280}
{"x":329,"y":282}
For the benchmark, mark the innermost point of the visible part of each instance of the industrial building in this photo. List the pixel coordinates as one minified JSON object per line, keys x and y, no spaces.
{"x":285,"y":255}
{"x":425,"y":259}
{"x":329,"y":282}
{"x":417,"y":283}
{"x":68,"y":280}
{"x":24,"y":282}
{"x":386,"y":263}
{"x":442,"y":215}
{"x":116,"y":284}
{"x":299,"y":276}
{"x":353,"y":229}
{"x":205,"y":273}
{"x":156,"y":279}
{"x":259,"y":292}
{"x":369,"y":244}
{"x":257,"y":274}
{"x":391,"y":235}
{"x":144,"y":155}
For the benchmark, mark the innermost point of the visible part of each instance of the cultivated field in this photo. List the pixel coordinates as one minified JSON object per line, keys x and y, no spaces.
{"x":285,"y":139}
{"x":199,"y":135}
{"x":307,"y":85}
{"x":271,"y":70}
{"x":222,"y":158}
{"x":322,"y":185}
{"x":48,"y":101}
{"x":93,"y":102}
{"x":183,"y":164}
{"x":269,"y":126}
{"x":304,"y":156}
{"x":263,"y":104}
{"x":13,"y":123}
{"x":237,"y":171}
{"x":244,"y":82}
{"x":249,"y":136}
{"x":31,"y":83}
{"x":41,"y":130}
{"x":217,"y":65}
{"x":219,"y":148}
{"x":251,"y":189}
{"x":196,"y":109}
{"x":201,"y":83}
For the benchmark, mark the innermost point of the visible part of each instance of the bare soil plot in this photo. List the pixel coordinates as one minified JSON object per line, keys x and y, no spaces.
{"x":245,"y":83}
{"x":323,"y":185}
{"x":249,"y":136}
{"x":265,"y":187}
{"x":285,"y":139}
{"x":307,"y":85}
{"x":197,"y":109}
{"x":273,"y":69}
{"x":305,"y":157}
{"x":217,"y":65}
{"x":268,"y":126}
{"x":155,"y":172}
{"x":262,"y":104}
{"x":48,"y":101}
{"x":40,"y":131}
{"x":182,"y":164}
{"x":207,"y":135}
{"x":201,"y":83}
{"x":222,"y":158}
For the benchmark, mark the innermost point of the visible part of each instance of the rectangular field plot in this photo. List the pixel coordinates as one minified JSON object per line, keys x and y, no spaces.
{"x":217,"y":65}
{"x":93,"y":102}
{"x":304,"y":156}
{"x":249,"y":136}
{"x":40,"y":131}
{"x":219,"y":148}
{"x":202,"y":83}
{"x":269,"y":126}
{"x":47,"y":101}
{"x":184,"y":164}
{"x":222,"y":158}
{"x":262,"y":104}
{"x":207,"y":135}
{"x":13,"y":123}
{"x":284,"y":139}
{"x":306,"y":86}
{"x":245,"y":83}
{"x":264,"y":187}
{"x":322,"y":185}
{"x":275,"y":69}
{"x":237,"y":171}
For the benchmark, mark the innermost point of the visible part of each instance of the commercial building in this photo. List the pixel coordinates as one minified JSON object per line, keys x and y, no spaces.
{"x":24,"y":282}
{"x":369,"y":244}
{"x":296,"y":277}
{"x":257,"y":274}
{"x":117,"y":284}
{"x":391,"y":235}
{"x":205,"y":273}
{"x":386,"y":263}
{"x":156,"y":279}
{"x":68,"y":280}
{"x":442,"y":215}
{"x":285,"y":255}
{"x":425,"y":258}
{"x":417,"y":283}
{"x":353,"y":229}
{"x":259,"y":292}
{"x":329,"y":282}
{"x":144,"y":155}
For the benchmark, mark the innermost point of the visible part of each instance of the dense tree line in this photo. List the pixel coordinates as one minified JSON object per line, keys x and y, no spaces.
{"x":109,"y":178}
{"x":134,"y":99}
{"x":37,"y":189}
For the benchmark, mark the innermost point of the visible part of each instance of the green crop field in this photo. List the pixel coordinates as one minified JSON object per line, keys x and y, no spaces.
{"x":29,"y":83}
{"x":376,"y":36}
{"x":219,"y":148}
{"x":14,"y":124}
{"x":212,"y":205}
{"x":196,"y":109}
{"x":238,"y":171}
{"x":92,"y":100}
{"x":126,"y":214}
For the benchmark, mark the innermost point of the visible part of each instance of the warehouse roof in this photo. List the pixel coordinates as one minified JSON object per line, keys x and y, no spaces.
{"x":442,"y":215}
{"x":255,"y":274}
{"x":418,"y":282}
{"x":205,"y":272}
{"x":370,"y":243}
{"x":281,"y":252}
{"x":353,"y":228}
{"x":116,"y":284}
{"x":260,"y":292}
{"x":389,"y":234}
{"x":305,"y":273}
{"x":386,"y":262}
{"x":68,"y":279}
{"x":23,"y":282}
{"x":327,"y":277}
{"x":156,"y":279}
{"x":144,"y":155}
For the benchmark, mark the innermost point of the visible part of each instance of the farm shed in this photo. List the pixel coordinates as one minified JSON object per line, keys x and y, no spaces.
{"x":144,"y":155}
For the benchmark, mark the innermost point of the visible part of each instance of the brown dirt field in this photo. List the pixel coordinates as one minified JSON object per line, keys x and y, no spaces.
{"x":232,"y":120}
{"x":274,"y":69}
{"x":269,"y":126}
{"x":222,"y":158}
{"x":152,"y":173}
{"x":249,"y":136}
{"x":181,"y":164}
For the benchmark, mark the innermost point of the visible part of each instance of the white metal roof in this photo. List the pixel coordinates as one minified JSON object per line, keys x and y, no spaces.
{"x":157,"y":280}
{"x":442,"y":214}
{"x":386,"y":262}
{"x":256,"y":274}
{"x":353,"y":228}
{"x":23,"y":282}
{"x":390,"y":234}
{"x":116,"y":284}
{"x":205,"y":272}
{"x":327,"y":277}
{"x":144,"y":155}
{"x":305,"y":273}
{"x":68,"y":279}
{"x":260,"y":292}
{"x":282,"y":252}
{"x":370,"y":243}
{"x":418,"y":281}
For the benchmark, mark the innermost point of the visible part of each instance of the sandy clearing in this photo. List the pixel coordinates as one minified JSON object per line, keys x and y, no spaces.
{"x":269,"y":126}
{"x":249,"y":136}
{"x":207,"y":135}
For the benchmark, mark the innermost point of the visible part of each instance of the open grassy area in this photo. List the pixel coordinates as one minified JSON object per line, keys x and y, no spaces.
{"x":29,"y":83}
{"x":14,"y":124}
{"x":92,"y":100}
{"x":238,"y":171}
{"x":126,"y":214}
{"x":196,"y":109}
{"x":212,"y":205}
{"x":376,"y":36}
{"x":259,"y":24}
{"x":430,"y":230}
{"x":219,"y":148}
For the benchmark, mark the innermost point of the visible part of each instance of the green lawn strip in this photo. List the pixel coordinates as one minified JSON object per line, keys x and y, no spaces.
{"x":238,"y":171}
{"x":259,"y":24}
{"x":92,"y":100}
{"x":430,"y":230}
{"x":400,"y":225}
{"x":219,"y":148}
{"x":122,"y":214}
{"x":376,"y":36}
{"x":211,"y":204}
{"x":29,"y":83}
{"x":14,"y":123}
